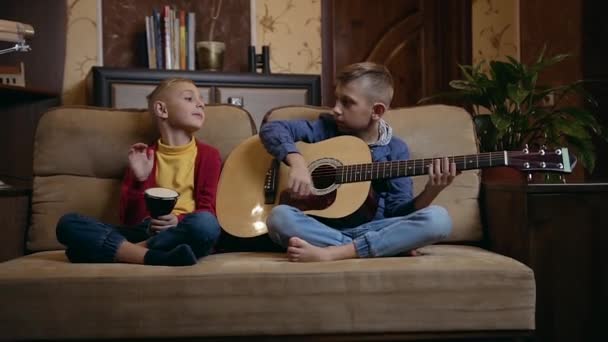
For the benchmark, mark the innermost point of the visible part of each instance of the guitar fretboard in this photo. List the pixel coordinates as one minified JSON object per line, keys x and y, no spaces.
{"x":415,"y":167}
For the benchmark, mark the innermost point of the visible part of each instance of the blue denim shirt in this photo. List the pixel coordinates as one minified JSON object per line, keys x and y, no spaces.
{"x":394,"y":196}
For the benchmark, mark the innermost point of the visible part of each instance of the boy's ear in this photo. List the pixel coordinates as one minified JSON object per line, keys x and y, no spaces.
{"x":378,"y":109}
{"x":160,"y":109}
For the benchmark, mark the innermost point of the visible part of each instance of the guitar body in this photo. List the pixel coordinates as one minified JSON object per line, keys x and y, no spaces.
{"x":240,"y":200}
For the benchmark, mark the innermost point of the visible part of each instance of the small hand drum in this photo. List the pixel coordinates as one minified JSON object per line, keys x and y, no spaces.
{"x":160,"y":201}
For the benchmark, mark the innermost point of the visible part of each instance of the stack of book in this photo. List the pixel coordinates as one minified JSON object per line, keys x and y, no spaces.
{"x":170,"y":39}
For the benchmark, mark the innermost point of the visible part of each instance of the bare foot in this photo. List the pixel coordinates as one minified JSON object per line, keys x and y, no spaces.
{"x":302,"y":251}
{"x":412,"y":253}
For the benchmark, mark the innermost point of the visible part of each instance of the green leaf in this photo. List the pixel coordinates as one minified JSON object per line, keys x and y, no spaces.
{"x":503,"y":73}
{"x":513,"y":60}
{"x":585,"y":151}
{"x":543,"y":64}
{"x":462,"y":85}
{"x":542,"y":54}
{"x":581,"y":115}
{"x":486,"y":131}
{"x":448,"y":95}
{"x":516,"y":93}
{"x":561,"y":91}
{"x":467,"y":72}
{"x":604,"y":134}
{"x":501,"y":122}
{"x":570,"y":128}
{"x":555,"y":59}
{"x":579,"y":88}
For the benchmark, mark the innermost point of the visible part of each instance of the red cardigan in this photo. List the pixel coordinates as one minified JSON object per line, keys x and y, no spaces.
{"x":206,"y":177}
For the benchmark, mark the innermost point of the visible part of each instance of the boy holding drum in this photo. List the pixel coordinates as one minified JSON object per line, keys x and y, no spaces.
{"x":177,"y":161}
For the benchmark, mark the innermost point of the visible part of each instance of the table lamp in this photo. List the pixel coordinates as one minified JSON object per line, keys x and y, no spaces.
{"x":15,"y":32}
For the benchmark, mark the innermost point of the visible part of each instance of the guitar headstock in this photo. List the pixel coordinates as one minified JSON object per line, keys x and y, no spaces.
{"x":543,"y":160}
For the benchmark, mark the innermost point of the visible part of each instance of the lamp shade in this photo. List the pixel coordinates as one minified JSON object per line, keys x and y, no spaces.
{"x":13,"y":31}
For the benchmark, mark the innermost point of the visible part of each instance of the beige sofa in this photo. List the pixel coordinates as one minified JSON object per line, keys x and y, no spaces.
{"x":454,"y":290}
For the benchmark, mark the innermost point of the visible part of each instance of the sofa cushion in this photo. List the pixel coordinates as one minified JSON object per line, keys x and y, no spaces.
{"x":94,"y":141}
{"x":430,"y":131}
{"x":80,"y":156}
{"x":449,"y":289}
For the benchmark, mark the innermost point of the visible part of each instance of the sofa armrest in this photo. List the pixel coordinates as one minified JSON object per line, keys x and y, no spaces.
{"x":14,"y":218}
{"x":503,"y":208}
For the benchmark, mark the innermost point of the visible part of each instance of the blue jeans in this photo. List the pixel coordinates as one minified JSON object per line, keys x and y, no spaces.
{"x":88,"y":240}
{"x":385,"y":237}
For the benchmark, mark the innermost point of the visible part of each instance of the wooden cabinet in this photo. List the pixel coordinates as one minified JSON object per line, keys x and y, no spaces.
{"x":595,"y":70}
{"x":20,"y":111}
{"x":561,"y":232}
{"x":257,"y":93}
{"x":14,"y":213}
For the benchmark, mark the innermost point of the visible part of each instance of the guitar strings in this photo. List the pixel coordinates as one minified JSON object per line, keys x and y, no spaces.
{"x":397,"y":165}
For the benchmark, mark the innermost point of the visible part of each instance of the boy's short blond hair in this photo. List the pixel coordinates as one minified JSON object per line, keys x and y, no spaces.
{"x":378,"y":80}
{"x":157,"y":93}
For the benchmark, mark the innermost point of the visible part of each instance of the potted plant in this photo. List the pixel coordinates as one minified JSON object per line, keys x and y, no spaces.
{"x":210,"y":52}
{"x":511,"y":110}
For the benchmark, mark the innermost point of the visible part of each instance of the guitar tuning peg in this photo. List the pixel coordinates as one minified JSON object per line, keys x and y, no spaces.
{"x":526,"y":150}
{"x":529,"y":177}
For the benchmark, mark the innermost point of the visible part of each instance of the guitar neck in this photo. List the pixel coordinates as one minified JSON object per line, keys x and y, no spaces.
{"x":415,"y":167}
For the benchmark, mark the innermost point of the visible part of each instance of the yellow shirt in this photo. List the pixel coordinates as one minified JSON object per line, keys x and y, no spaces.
{"x":175,"y":170}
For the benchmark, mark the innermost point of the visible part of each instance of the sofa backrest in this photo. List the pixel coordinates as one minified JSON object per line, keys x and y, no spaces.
{"x":429,"y":131}
{"x":80,"y":155}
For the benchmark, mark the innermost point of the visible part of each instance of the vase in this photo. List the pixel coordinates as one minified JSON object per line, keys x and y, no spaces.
{"x":210,"y":55}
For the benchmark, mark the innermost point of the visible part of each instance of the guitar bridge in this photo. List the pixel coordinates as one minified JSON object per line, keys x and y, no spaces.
{"x":271,"y":182}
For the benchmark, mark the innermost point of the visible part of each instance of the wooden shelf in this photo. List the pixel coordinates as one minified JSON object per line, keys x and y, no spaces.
{"x":257,"y":93}
{"x":11,"y":95}
{"x":20,"y":110}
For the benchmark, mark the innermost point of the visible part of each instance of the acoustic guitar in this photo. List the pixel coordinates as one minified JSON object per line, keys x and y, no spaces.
{"x":252,"y":182}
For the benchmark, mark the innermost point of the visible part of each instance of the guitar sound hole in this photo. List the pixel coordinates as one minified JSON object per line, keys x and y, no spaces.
{"x":323,"y":177}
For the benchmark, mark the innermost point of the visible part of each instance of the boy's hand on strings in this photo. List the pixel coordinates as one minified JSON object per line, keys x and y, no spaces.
{"x":141,"y":161}
{"x":441,"y":174}
{"x":299,"y":182}
{"x":163,"y":222}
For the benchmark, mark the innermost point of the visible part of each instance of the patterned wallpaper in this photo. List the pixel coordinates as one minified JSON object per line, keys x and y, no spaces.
{"x":81,"y":49}
{"x":495,"y":29}
{"x":292,"y":29}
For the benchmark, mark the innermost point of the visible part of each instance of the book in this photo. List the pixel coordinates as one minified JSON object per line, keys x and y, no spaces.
{"x":167,"y":41}
{"x":158,"y":40}
{"x":175,"y":39}
{"x":182,"y":40}
{"x":150,"y":42}
{"x":191,"y":40}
